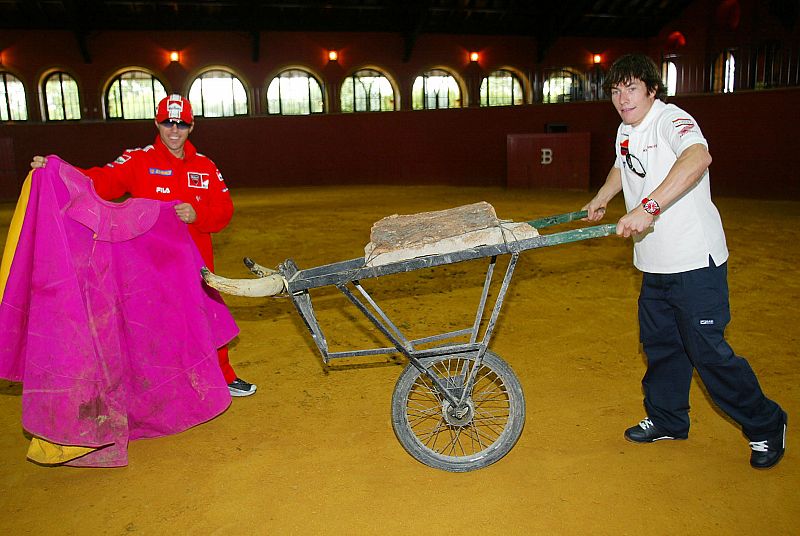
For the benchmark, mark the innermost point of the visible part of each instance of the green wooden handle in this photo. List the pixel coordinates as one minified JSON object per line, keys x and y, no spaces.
{"x":574,"y":235}
{"x":559,"y":218}
{"x":580,"y":234}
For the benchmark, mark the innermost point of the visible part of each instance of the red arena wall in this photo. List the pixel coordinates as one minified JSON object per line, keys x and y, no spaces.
{"x":464,"y":146}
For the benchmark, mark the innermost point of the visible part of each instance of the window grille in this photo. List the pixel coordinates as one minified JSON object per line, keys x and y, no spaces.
{"x":294,"y":92}
{"x":367,"y":90}
{"x":501,"y":88}
{"x":218,"y":93}
{"x":61,"y":98}
{"x":435,"y":89}
{"x":134,"y":95}
{"x":13,"y":106}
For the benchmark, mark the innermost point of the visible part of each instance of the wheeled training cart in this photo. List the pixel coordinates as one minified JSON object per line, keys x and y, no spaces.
{"x":457,"y":406}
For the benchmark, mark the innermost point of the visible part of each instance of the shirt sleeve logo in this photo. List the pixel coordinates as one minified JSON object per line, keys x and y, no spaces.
{"x":197,"y":180}
{"x":683,"y":125}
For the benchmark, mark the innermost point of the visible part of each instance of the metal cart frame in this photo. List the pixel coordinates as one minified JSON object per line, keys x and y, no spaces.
{"x":448,"y":371}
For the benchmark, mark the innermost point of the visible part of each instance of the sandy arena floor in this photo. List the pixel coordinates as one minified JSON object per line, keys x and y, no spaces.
{"x":313,"y":452}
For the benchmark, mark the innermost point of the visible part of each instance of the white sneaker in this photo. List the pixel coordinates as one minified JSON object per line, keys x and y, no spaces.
{"x":239,"y":387}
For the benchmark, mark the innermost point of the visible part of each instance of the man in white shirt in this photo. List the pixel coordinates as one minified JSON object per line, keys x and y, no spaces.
{"x":679,"y":244}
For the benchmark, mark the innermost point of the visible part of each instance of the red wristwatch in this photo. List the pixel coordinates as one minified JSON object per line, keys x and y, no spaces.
{"x":651,"y":206}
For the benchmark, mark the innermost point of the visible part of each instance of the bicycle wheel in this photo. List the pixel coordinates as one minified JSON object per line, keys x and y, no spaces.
{"x":480,"y":432}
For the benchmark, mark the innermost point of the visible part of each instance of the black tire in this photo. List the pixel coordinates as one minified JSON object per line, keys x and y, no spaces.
{"x":432,"y":433}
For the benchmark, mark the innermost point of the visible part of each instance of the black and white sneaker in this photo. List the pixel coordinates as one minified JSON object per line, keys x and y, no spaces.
{"x":767,"y":453}
{"x":239,"y":387}
{"x":647,"y":432}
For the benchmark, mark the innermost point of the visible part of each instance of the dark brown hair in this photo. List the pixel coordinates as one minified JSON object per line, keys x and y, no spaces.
{"x":635,"y":66}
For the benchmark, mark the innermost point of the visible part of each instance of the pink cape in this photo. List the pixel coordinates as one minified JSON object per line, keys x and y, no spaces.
{"x":106,"y":321}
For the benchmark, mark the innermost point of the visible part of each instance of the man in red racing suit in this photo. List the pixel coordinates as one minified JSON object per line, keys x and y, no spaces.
{"x":172,"y":169}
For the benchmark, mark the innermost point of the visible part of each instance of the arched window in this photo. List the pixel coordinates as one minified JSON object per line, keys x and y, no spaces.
{"x":669,"y":74}
{"x":367,"y":90}
{"x":61,"y":97}
{"x":562,"y":86}
{"x":724,"y":72}
{"x":295,"y":92}
{"x":501,"y":88}
{"x":134,"y":95}
{"x":13,"y":106}
{"x":435,"y":89}
{"x":218,"y":93}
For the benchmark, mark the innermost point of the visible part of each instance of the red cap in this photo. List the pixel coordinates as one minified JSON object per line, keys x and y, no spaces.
{"x":174,"y":108}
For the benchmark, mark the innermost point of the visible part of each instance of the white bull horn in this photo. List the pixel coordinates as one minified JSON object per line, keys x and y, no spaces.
{"x":269,"y":285}
{"x":257,"y":269}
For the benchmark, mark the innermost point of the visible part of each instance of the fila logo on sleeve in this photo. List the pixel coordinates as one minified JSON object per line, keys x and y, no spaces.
{"x":197,"y":180}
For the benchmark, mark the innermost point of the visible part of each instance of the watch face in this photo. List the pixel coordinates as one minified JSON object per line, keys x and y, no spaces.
{"x":651,"y":207}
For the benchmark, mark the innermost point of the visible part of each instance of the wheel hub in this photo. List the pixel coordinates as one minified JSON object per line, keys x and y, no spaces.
{"x":458,"y":416}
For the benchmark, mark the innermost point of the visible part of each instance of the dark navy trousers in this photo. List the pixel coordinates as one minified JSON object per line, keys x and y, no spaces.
{"x":682,"y":320}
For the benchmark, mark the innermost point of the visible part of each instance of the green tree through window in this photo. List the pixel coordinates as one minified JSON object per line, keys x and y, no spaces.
{"x":501,"y":88}
{"x":562,"y":86}
{"x":294,"y":92}
{"x":13,"y":106}
{"x":367,"y":90}
{"x":134,"y":95}
{"x":435,"y":89}
{"x":61,"y":97}
{"x":218,"y":93}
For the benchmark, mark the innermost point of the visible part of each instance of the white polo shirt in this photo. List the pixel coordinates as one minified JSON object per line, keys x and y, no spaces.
{"x":686,"y":232}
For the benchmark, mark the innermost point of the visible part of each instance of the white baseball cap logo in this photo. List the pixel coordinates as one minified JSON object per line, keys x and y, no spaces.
{"x":174,"y":106}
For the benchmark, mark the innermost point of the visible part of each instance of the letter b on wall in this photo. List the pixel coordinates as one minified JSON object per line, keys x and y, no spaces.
{"x":548,"y":160}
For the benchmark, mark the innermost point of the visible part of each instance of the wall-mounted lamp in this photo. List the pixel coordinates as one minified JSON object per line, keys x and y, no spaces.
{"x":333,"y":55}
{"x":597,"y":58}
{"x":175,"y":56}
{"x":676,"y":40}
{"x":474,"y":56}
